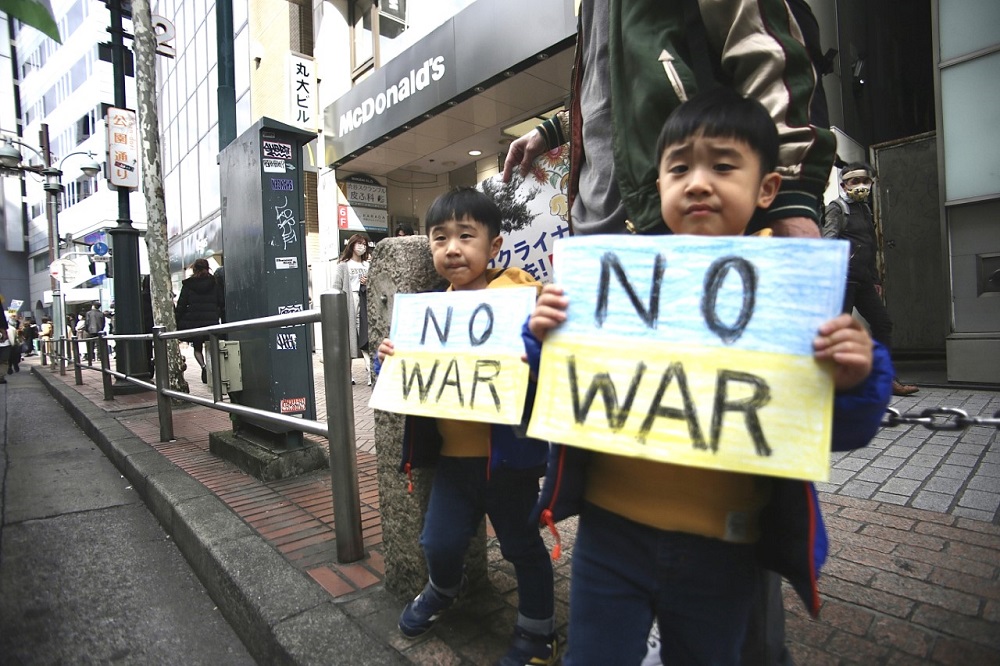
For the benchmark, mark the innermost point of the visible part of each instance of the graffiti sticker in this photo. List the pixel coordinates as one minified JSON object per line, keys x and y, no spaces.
{"x":287,"y":342}
{"x":276,"y":150}
{"x":293,"y":405}
{"x":274,"y":166}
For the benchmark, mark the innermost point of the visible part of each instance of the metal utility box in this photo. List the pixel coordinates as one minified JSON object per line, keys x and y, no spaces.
{"x":266,"y":273}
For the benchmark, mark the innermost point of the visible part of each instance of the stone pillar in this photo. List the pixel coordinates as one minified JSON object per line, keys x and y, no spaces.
{"x":404,"y":265}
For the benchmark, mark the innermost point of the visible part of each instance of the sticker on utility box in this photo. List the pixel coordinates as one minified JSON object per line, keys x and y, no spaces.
{"x":293,"y":405}
{"x":273,"y":166}
{"x":276,"y":150}
{"x":286,"y":263}
{"x":287,"y":341}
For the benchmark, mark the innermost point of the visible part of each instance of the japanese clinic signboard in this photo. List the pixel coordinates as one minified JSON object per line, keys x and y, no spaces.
{"x":123,"y":148}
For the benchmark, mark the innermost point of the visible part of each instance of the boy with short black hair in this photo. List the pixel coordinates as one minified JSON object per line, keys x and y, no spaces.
{"x":661,"y":540}
{"x":481,"y":469}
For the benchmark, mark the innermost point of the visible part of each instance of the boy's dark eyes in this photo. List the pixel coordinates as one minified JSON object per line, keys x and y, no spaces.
{"x":678,"y":169}
{"x":724,"y":167}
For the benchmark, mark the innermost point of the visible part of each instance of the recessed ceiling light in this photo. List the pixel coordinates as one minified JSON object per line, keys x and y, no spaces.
{"x":475,"y":153}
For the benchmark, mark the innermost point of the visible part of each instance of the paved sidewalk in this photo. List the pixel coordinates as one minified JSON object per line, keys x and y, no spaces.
{"x":913,"y":520}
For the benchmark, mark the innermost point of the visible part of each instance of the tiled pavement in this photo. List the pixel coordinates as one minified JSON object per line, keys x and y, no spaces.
{"x":913,"y":576}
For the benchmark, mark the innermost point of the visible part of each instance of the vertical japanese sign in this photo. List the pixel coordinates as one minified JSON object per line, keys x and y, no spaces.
{"x":123,"y":149}
{"x":694,"y":351}
{"x":302,"y":96}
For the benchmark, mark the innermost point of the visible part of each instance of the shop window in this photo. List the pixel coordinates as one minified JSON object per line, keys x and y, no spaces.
{"x":84,"y":127}
{"x":363,"y":37}
{"x":40,"y":263}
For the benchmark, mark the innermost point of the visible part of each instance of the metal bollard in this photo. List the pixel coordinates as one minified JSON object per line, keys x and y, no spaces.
{"x":105,"y":358}
{"x":340,"y":426}
{"x":163,"y":409}
{"x":77,"y":367}
{"x":54,"y":355}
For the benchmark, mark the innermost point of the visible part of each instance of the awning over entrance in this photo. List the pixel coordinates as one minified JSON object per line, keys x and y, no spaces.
{"x":453,"y":91}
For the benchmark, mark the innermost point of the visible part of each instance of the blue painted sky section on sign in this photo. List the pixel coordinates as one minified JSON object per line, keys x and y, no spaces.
{"x":508,"y":310}
{"x":800,"y":284}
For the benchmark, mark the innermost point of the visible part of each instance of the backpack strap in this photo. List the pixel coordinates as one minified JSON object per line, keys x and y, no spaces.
{"x":835,"y":218}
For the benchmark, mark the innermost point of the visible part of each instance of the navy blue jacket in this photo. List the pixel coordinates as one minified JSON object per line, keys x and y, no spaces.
{"x":793,"y":538}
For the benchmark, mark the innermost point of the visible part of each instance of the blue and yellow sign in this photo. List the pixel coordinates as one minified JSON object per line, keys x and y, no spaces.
{"x":458,"y":355}
{"x":694,"y":351}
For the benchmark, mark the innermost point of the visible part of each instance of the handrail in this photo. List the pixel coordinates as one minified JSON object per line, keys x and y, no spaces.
{"x":333,"y":315}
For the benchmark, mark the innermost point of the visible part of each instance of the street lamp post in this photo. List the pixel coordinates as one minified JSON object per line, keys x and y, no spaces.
{"x":10,"y":158}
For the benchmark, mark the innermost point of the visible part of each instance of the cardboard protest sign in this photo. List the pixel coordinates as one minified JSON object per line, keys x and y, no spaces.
{"x":534,"y":213}
{"x":694,"y":351}
{"x":457,"y":355}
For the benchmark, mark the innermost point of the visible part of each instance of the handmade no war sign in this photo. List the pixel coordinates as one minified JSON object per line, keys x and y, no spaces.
{"x":457,"y":355}
{"x":695,"y":351}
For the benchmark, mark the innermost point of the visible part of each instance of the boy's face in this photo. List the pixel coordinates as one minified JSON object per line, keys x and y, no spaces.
{"x":711,"y":186}
{"x":461,"y":250}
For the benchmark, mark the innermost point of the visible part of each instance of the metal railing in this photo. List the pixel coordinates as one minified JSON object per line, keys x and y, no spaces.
{"x":338,"y":428}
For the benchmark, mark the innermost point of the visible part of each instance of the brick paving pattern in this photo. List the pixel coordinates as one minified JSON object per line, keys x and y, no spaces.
{"x":913,"y":575}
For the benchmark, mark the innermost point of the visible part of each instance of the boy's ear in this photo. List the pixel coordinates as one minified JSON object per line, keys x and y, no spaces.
{"x":495,"y":246}
{"x":768,"y":189}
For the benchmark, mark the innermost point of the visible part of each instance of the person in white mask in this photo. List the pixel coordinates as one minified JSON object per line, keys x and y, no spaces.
{"x":850,"y":218}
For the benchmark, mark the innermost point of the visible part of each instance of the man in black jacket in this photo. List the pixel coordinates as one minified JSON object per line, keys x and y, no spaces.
{"x":93,"y":327}
{"x":850,"y":218}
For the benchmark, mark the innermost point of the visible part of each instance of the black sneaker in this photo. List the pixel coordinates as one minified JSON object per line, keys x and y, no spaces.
{"x":421,"y":613}
{"x":528,"y":649}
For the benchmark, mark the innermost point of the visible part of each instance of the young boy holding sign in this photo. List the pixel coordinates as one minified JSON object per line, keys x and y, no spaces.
{"x":683,"y":544}
{"x":481,"y":468}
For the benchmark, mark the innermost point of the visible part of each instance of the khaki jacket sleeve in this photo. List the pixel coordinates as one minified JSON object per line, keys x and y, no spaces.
{"x":763,"y":52}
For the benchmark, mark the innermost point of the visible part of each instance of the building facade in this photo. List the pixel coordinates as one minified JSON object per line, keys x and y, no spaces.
{"x":67,"y":88}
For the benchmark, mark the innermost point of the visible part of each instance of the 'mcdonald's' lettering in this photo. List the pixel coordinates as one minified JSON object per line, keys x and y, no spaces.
{"x":419,"y":78}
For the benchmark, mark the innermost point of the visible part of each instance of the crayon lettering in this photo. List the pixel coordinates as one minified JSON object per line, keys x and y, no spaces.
{"x":618,"y":413}
{"x":485,"y":372}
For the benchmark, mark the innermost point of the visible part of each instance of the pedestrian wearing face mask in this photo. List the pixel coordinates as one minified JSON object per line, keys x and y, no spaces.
{"x":849,"y":217}
{"x":352,"y":277}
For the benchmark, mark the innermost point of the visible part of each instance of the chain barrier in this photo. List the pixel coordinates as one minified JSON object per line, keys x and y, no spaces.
{"x":940,"y":418}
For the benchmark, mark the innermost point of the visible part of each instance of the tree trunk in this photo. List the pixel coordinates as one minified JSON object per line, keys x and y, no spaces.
{"x":152,"y":186}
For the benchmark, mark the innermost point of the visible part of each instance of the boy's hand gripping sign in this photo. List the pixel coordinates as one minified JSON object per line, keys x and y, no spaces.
{"x":694,"y":351}
{"x":457,"y":355}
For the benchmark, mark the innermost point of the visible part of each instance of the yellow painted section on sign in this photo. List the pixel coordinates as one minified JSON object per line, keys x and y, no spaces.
{"x":720,"y":408}
{"x":459,"y":385}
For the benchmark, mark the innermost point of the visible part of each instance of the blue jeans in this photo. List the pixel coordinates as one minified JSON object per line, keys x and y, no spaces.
{"x":624,"y":574}
{"x":460,"y":496}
